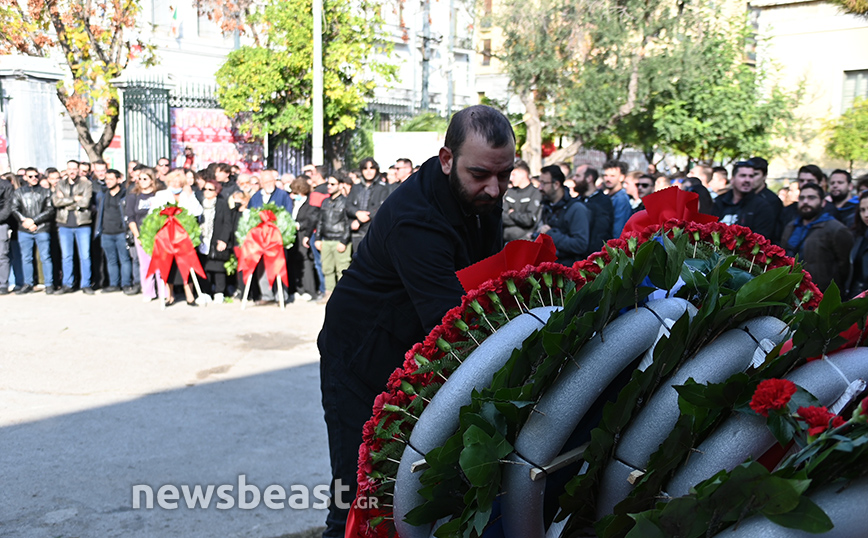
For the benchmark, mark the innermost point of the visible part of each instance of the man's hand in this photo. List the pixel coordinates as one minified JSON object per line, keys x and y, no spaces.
{"x":341,"y":248}
{"x":76,"y":198}
{"x":544,"y":229}
{"x":354,"y":226}
{"x":27,"y":223}
{"x":32,"y":228}
{"x":318,"y":245}
{"x":305,"y":242}
{"x":221,"y":246}
{"x":363,"y":216}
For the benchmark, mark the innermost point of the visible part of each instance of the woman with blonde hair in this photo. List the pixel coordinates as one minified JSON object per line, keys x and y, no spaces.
{"x":139,"y":202}
{"x":178,"y":192}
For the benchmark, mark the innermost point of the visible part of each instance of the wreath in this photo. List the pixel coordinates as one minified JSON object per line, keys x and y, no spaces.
{"x":251,"y":219}
{"x":154,"y":221}
{"x":730,"y":275}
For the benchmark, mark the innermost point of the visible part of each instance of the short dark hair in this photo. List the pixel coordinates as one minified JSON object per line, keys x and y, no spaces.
{"x":99,"y":161}
{"x":758,"y":163}
{"x":521,"y":165}
{"x":116,"y":173}
{"x":620,"y":165}
{"x":216,"y":184}
{"x":168,"y":161}
{"x":555,"y":172}
{"x":406,"y":161}
{"x":842,"y":172}
{"x":591,"y":174}
{"x":814,"y":170}
{"x":51,"y":170}
{"x":718,"y":169}
{"x":741,"y":164}
{"x":72,"y":161}
{"x":814,"y":186}
{"x":223,"y":167}
{"x":32,"y":169}
{"x":488,"y":122}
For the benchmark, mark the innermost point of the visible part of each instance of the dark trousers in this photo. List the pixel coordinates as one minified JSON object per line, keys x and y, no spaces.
{"x":117,"y":257}
{"x":346,"y":411}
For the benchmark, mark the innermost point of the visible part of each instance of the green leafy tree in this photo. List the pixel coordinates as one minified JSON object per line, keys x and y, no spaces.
{"x":720,"y":108}
{"x":268,"y":88}
{"x":848,"y":135}
{"x":93,"y":39}
{"x":855,"y":7}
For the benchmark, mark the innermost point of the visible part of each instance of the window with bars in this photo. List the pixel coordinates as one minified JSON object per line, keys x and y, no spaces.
{"x":855,"y":87}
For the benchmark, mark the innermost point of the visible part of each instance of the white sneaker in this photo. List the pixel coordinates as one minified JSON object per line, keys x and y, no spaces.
{"x":304,"y":297}
{"x":218,"y":298}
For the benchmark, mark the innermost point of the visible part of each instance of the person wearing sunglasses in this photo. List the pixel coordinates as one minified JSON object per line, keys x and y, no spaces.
{"x":364,"y":200}
{"x":139,"y":202}
{"x":32,"y":208}
{"x":217,"y":226}
{"x":644,"y":187}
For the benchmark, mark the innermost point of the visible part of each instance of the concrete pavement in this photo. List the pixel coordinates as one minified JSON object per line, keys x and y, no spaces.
{"x":101,"y":393}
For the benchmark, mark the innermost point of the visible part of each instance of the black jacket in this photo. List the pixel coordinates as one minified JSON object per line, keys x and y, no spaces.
{"x":333,"y":224}
{"x":33,"y":203}
{"x":602,"y":218}
{"x":402,"y":280}
{"x":378,"y":194}
{"x":857,"y":280}
{"x":307,"y":219}
{"x":751,"y":211}
{"x":6,"y":194}
{"x":101,"y":197}
{"x":224,"y":230}
{"x":521,"y":212}
{"x":569,"y":220}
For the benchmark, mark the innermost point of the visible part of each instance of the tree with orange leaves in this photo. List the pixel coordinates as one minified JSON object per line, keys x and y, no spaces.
{"x":93,"y":37}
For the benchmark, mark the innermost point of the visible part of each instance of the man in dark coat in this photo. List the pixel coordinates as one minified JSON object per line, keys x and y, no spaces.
{"x":743,"y":206}
{"x":365,"y":200}
{"x":821,"y":242}
{"x":602,"y":212}
{"x":402,"y":281}
{"x":522,"y":205}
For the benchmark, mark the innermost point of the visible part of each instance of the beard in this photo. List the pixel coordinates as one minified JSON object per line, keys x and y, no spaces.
{"x":838,"y":198}
{"x":481,"y":204}
{"x":810,"y":213}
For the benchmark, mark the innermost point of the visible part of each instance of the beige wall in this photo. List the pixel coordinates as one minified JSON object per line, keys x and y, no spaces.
{"x":815,"y":43}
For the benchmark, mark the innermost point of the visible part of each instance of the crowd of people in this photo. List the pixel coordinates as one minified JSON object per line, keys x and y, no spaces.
{"x":821,"y":219}
{"x":79,"y":227}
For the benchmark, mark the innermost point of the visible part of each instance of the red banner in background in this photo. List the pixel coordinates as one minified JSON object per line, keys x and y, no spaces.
{"x":209,"y":133}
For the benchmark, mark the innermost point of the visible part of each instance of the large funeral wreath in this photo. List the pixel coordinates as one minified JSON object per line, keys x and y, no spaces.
{"x":251,"y":219}
{"x":730,"y":275}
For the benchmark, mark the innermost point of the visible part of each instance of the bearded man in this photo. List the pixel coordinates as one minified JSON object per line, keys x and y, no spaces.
{"x":402,"y":280}
{"x":822,"y":243}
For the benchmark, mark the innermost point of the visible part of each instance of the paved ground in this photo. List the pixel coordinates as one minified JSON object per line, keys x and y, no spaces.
{"x":98,"y":394}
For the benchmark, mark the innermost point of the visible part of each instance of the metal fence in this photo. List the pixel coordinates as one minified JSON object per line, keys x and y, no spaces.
{"x":146,"y":121}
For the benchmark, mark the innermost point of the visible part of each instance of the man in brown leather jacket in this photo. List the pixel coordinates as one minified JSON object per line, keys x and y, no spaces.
{"x":72,"y":200}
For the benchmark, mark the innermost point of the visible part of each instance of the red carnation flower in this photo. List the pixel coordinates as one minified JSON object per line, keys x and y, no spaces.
{"x":817,"y":419}
{"x":771,"y":395}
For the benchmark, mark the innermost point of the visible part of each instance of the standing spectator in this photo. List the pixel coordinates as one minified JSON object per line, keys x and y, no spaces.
{"x":223,"y":175}
{"x":810,"y":173}
{"x":300,"y":255}
{"x":110,"y":229}
{"x":218,"y":231}
{"x":521,"y":205}
{"x":761,"y":173}
{"x":6,"y":193}
{"x":333,"y":241}
{"x":403,"y":169}
{"x":842,"y":205}
{"x":71,"y":169}
{"x":162,"y":168}
{"x":364,"y":200}
{"x":742,"y":205}
{"x":72,"y":199}
{"x":564,"y":218}
{"x":706,"y":202}
{"x":269,"y":193}
{"x":645,"y":185}
{"x":84,"y":170}
{"x":857,"y":281}
{"x":602,"y":213}
{"x":138,"y":204}
{"x":177,"y":192}
{"x":719,"y":183}
{"x":613,"y":179}
{"x":31,"y":205}
{"x":822,"y":243}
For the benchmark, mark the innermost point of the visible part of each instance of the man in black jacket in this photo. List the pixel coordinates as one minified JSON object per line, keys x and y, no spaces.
{"x":31,"y":205}
{"x":6,"y":193}
{"x":401,"y":282}
{"x":602,"y":212}
{"x":743,"y":206}
{"x":333,"y":234}
{"x":365,"y":200}
{"x":521,"y":205}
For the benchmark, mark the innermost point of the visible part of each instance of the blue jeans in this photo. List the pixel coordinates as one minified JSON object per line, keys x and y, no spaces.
{"x":81,"y":236}
{"x":317,"y":263}
{"x":117,"y":255}
{"x":43,"y":243}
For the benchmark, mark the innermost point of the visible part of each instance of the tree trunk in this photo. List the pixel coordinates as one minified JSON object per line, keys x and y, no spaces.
{"x":94,"y":149}
{"x":564,"y":154}
{"x":531,"y":151}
